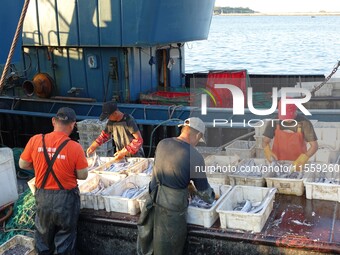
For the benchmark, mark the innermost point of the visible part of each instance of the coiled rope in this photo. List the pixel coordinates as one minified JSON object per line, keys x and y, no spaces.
{"x":14,"y":43}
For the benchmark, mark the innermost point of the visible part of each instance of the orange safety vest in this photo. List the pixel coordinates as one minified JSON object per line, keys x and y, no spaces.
{"x":288,"y":146}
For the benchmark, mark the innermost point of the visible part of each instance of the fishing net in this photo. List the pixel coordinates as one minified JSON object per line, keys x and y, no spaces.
{"x":22,"y":219}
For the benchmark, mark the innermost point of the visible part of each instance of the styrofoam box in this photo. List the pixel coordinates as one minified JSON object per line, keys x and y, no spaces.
{"x":91,"y":125}
{"x":241,"y":178}
{"x":243,"y":220}
{"x":8,"y":178}
{"x":207,"y":217}
{"x":114,"y":202}
{"x":225,"y":162}
{"x":31,"y":183}
{"x":286,"y":186}
{"x":138,"y":165}
{"x":27,"y":242}
{"x":96,"y":201}
{"x":323,"y":191}
{"x":244,"y":149}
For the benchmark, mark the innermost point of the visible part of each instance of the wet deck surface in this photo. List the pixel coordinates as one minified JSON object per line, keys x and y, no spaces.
{"x":295,"y":222}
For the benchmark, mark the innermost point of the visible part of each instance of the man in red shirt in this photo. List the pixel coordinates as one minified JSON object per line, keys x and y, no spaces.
{"x":57,"y":162}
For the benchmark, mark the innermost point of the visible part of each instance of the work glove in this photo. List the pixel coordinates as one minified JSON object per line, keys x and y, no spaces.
{"x":92,"y":148}
{"x":269,"y":154}
{"x":120,"y":154}
{"x":207,"y":195}
{"x":299,"y":163}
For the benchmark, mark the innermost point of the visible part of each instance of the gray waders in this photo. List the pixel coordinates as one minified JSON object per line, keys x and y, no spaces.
{"x":162,"y":226}
{"x":57,"y":213}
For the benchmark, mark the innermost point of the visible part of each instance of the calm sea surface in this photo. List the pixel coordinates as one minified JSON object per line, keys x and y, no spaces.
{"x":268,"y":45}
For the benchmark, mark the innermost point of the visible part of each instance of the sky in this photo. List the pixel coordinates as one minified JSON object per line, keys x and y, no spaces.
{"x":284,"y":5}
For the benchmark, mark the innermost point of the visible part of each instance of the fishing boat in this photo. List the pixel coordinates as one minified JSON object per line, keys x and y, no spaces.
{"x":81,"y":54}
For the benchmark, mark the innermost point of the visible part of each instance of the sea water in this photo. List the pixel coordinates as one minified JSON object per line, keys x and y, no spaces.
{"x":268,"y":45}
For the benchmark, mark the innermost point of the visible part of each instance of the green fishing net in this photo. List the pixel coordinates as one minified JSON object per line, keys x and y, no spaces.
{"x":22,"y":218}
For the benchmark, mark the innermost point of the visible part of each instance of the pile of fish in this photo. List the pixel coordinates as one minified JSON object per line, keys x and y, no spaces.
{"x":94,"y":161}
{"x":249,"y":167}
{"x":118,"y":167}
{"x":253,"y":207}
{"x":327,"y":180}
{"x":133,"y":192}
{"x":289,"y":175}
{"x":196,"y":201}
{"x":97,"y":190}
{"x":148,"y":170}
{"x":285,"y":170}
{"x":249,"y":207}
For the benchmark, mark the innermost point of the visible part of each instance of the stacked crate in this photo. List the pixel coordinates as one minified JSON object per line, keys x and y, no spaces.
{"x":328,"y":134}
{"x":89,"y":130}
{"x":259,"y":137}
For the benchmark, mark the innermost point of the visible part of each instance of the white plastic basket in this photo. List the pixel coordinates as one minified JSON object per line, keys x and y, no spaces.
{"x":8,"y":178}
{"x":286,"y":185}
{"x":133,"y":166}
{"x":321,"y":190}
{"x":114,"y":202}
{"x":219,"y":167}
{"x":207,"y":151}
{"x":31,"y":183}
{"x":27,"y":242}
{"x":245,"y":174}
{"x":244,"y":220}
{"x":325,"y":154}
{"x":207,"y":217}
{"x":89,"y":199}
{"x":243,"y":149}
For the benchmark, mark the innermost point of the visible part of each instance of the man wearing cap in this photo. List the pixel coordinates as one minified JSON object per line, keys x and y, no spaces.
{"x":291,"y":138}
{"x":57,"y":162}
{"x":162,"y":226}
{"x":124,"y":130}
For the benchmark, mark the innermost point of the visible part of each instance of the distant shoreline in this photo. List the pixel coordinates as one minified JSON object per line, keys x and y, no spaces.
{"x":311,"y":14}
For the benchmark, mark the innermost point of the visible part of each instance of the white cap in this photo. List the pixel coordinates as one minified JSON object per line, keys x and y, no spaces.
{"x":195,"y":123}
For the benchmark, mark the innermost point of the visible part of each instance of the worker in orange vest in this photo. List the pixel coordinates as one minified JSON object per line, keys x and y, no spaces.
{"x":291,"y":133}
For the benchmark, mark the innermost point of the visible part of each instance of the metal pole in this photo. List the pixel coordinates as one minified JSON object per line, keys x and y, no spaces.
{"x":14,"y":43}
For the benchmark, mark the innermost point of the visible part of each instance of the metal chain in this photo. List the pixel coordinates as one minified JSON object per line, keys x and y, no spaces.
{"x":326,"y":79}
